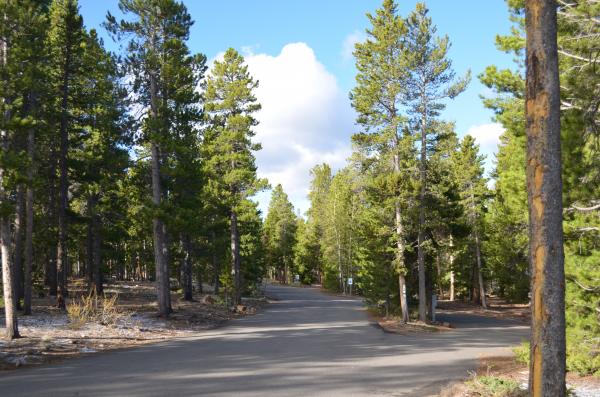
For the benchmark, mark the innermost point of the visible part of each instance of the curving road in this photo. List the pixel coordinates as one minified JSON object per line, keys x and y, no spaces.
{"x":306,"y":344}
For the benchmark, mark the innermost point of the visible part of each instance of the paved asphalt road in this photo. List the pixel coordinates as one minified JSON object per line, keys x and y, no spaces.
{"x":306,"y":344}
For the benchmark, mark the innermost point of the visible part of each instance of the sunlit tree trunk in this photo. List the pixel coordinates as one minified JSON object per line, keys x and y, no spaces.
{"x":544,"y":188}
{"x":400,"y":252}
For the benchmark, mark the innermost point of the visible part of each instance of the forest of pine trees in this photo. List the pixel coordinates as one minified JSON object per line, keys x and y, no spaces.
{"x":141,"y":166}
{"x":134,"y":167}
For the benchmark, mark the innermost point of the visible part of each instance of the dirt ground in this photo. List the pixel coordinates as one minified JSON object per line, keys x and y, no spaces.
{"x":49,"y":335}
{"x":496,"y":308}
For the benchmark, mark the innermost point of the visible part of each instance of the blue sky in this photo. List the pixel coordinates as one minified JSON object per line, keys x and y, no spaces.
{"x":301,"y":53}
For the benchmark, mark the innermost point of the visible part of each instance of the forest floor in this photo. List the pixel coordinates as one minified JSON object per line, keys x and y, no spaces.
{"x":50,"y":334}
{"x":507,"y":370}
{"x":497,"y":308}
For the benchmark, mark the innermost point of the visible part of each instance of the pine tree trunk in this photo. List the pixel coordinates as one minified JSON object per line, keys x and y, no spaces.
{"x":421,"y":236}
{"x":50,"y":267}
{"x":27,"y":287}
{"x":187,"y":268}
{"x":89,"y":257}
{"x":235,"y":259}
{"x":400,"y":254}
{"x":479,"y":274}
{"x":63,"y":184}
{"x":97,"y":254}
{"x":215,"y":263}
{"x":18,"y":246}
{"x":160,"y":255}
{"x":452,"y":297}
{"x":544,"y":188}
{"x":160,"y":262}
{"x":10,"y":306}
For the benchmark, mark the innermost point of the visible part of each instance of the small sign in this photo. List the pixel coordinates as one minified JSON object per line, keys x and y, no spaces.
{"x":297,"y":278}
{"x":350,"y":281}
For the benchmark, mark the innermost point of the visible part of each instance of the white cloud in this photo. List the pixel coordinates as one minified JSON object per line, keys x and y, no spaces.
{"x":488,"y":138}
{"x":349,"y":42}
{"x":305,"y":119}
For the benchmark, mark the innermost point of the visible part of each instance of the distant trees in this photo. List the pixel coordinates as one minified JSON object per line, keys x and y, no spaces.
{"x":279,"y":237}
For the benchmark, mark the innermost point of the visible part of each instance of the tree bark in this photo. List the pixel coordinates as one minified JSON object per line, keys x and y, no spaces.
{"x":544,"y":188}
{"x":160,"y":255}
{"x":452,"y":285}
{"x":160,"y":262}
{"x":97,"y":254}
{"x":235,"y":259}
{"x":187,"y":267}
{"x":215,"y":263}
{"x":18,"y":246}
{"x":27,"y":287}
{"x":421,"y":236}
{"x":451,"y":268}
{"x":12,"y":329}
{"x":89,"y":257}
{"x":400,"y":253}
{"x":50,"y":274}
{"x":63,"y":184}
{"x":479,"y":275}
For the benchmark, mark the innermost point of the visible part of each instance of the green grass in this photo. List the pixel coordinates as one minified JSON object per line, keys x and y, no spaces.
{"x":493,"y":386}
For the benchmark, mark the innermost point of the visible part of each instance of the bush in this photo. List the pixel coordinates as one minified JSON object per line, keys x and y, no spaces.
{"x":493,"y":386}
{"x":92,"y":308}
{"x":522,"y":353}
{"x":583,"y":353}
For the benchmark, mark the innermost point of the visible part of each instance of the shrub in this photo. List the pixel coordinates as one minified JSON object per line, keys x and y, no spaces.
{"x":493,"y":386}
{"x":92,"y":308}
{"x":522,"y":353}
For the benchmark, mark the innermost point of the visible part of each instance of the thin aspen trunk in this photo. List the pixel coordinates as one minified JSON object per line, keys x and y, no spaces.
{"x":452,"y":285}
{"x":544,"y":188}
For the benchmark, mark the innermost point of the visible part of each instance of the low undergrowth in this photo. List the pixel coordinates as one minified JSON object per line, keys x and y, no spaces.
{"x":493,"y":386}
{"x":101,"y":309}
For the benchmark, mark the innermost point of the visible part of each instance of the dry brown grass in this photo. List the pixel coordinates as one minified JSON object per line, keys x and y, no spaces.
{"x":93,"y":308}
